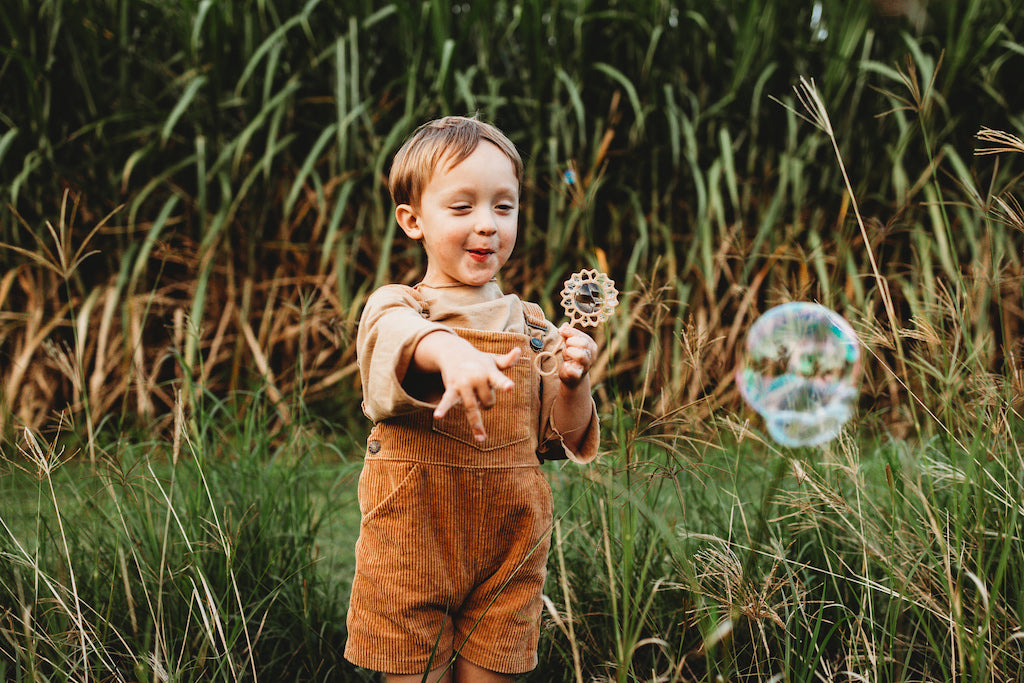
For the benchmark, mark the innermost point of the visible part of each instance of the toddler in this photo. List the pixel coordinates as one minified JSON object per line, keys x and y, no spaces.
{"x":456,"y":512}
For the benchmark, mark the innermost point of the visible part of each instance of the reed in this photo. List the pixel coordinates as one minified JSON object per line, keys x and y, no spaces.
{"x":194,"y":211}
{"x":248,"y":150}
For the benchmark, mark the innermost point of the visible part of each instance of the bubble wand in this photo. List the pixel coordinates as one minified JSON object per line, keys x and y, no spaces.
{"x":588,"y":297}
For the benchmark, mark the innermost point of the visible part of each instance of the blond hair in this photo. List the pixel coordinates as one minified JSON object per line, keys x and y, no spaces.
{"x":446,"y":140}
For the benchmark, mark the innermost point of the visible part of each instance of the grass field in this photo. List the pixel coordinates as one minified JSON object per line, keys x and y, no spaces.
{"x":674,"y":558}
{"x":194,"y":211}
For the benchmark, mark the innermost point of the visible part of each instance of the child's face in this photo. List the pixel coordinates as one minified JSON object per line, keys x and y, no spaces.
{"x":467,"y":218}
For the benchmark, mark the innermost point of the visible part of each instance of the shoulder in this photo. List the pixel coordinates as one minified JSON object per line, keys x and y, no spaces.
{"x":393,"y":296}
{"x":393,"y":293}
{"x":533,"y":311}
{"x":537,"y":323}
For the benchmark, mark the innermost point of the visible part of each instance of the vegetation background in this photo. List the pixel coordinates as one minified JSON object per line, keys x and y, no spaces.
{"x":194,"y":209}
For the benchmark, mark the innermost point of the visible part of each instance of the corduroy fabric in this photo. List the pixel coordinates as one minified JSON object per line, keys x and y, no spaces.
{"x":396,"y":317}
{"x":454,"y":537}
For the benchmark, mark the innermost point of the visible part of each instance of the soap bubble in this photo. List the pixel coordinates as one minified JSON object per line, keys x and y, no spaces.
{"x":800,"y":372}
{"x":588,"y":297}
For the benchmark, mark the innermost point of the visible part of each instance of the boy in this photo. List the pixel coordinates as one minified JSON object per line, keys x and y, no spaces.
{"x":456,"y":512}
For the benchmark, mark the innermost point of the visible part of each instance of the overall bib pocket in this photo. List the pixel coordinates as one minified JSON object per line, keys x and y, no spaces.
{"x":506,"y":423}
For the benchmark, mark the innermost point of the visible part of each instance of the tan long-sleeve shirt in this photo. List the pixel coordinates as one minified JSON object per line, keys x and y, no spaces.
{"x":397,"y":317}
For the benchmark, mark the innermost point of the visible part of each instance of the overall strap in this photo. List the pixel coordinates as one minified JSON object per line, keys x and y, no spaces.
{"x":536,"y":325}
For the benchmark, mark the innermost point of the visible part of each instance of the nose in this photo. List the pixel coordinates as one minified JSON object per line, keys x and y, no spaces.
{"x":486,"y":224}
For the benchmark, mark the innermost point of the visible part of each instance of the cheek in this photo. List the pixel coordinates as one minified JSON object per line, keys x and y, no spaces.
{"x":511,"y":231}
{"x":508,"y":244}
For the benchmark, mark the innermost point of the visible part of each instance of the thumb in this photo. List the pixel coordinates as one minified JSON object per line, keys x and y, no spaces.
{"x":504,"y":362}
{"x":509,"y":359}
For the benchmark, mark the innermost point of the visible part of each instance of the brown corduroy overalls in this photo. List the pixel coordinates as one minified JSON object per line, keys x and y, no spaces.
{"x":454,"y":537}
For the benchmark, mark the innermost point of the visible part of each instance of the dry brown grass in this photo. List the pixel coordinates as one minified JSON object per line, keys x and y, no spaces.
{"x":103,"y":349}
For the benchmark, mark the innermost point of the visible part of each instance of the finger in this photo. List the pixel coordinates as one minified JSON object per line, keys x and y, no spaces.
{"x":448,"y":400}
{"x":574,"y":338}
{"x":468,"y":398}
{"x":471,"y":408}
{"x":497,"y":379}
{"x":571,"y":371}
{"x":582,"y":339}
{"x":507,"y":360}
{"x":476,"y":421}
{"x":487,"y":397}
{"x":500,"y":382}
{"x":579,"y":354}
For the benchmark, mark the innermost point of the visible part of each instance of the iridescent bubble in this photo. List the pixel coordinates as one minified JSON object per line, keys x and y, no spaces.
{"x":589,"y":297}
{"x":800,"y":372}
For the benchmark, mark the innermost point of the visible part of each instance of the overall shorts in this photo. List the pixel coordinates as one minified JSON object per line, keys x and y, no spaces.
{"x":454,"y":538}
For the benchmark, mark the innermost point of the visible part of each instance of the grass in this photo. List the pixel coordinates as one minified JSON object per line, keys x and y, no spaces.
{"x":220,"y":562}
{"x":672,"y":560}
{"x":194,"y":213}
{"x":843,"y":563}
{"x":228,"y":184}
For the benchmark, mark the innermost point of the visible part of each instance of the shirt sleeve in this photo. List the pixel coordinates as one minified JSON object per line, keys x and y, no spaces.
{"x":393,"y":322}
{"x":552,"y":443}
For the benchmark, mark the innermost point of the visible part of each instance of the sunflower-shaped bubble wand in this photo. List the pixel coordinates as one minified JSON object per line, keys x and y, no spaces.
{"x":589,"y":297}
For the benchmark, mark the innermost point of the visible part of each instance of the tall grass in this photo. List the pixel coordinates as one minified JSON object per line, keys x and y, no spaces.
{"x":194,"y":212}
{"x":839,"y":564}
{"x":199,"y":559}
{"x":238,"y":150}
{"x":674,"y":558}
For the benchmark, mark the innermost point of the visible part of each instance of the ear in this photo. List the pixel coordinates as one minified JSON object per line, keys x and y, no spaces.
{"x":409,"y":221}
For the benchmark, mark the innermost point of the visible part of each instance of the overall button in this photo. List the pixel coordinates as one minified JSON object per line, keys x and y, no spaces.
{"x":536,"y":344}
{"x":373,"y":447}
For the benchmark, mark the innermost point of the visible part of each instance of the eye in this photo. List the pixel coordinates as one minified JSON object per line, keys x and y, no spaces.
{"x":506,"y":207}
{"x":461,"y":207}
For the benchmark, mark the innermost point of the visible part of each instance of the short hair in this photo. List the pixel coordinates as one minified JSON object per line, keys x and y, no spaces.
{"x":446,"y":140}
